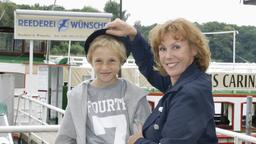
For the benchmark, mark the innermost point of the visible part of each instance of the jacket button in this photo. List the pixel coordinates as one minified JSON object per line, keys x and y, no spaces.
{"x":160,"y":109}
{"x":156,"y":126}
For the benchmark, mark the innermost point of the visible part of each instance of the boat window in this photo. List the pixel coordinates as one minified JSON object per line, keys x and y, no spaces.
{"x":11,"y":46}
{"x":6,"y":42}
{"x":224,"y":115}
{"x":253,"y":115}
{"x":18,"y":44}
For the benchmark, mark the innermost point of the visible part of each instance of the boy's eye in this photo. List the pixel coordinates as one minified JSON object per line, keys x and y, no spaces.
{"x":98,"y":61}
{"x":112,"y":60}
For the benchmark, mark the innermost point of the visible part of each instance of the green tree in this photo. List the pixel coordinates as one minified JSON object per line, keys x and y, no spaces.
{"x":77,"y":49}
{"x":144,"y":29}
{"x":59,"y":48}
{"x":221,"y":45}
{"x":246,"y":47}
{"x":89,"y":9}
{"x":24,"y":6}
{"x":7,"y":11}
{"x":86,"y":9}
{"x":114,"y":8}
{"x":6,"y":14}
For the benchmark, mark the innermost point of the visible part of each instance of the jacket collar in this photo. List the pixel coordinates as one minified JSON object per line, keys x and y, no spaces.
{"x":188,"y":75}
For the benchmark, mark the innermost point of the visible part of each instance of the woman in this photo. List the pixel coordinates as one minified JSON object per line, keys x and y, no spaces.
{"x":185,"y":113}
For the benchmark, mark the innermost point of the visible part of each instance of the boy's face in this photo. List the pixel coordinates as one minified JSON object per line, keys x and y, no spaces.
{"x":106,"y":64}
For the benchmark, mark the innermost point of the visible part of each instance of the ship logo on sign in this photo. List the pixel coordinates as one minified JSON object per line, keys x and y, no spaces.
{"x":63,"y":25}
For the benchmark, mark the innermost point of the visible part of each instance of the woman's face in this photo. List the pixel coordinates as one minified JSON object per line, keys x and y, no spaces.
{"x":175,"y":56}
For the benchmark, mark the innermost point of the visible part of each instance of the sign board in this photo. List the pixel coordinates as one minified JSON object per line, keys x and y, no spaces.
{"x":57,"y":25}
{"x":233,"y":81}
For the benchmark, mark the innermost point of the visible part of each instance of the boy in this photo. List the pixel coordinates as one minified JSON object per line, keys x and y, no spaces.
{"x":106,"y":109}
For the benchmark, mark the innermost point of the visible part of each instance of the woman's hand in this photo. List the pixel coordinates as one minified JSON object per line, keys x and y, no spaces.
{"x":120,"y":28}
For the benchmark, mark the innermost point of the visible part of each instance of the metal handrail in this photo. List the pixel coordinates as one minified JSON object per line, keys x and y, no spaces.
{"x":29,"y":128}
{"x":33,"y":129}
{"x":238,"y":137}
{"x":44,"y":104}
{"x":54,"y":128}
{"x":34,"y":118}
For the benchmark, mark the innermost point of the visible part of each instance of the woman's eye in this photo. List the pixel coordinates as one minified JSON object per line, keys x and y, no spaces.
{"x":162,"y":49}
{"x":176,"y":46}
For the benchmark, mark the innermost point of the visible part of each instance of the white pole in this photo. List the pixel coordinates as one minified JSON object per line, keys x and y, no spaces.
{"x":248,"y":119}
{"x":234,"y":47}
{"x":48,"y":51}
{"x":220,"y":32}
{"x":30,"y":85}
{"x":30,"y":81}
{"x":69,"y":47}
{"x":69,"y":68}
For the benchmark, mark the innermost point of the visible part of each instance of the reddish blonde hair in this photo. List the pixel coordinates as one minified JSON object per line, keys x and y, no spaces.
{"x":181,"y":29}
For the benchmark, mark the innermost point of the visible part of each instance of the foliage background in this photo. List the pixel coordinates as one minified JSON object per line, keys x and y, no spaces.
{"x":221,"y":45}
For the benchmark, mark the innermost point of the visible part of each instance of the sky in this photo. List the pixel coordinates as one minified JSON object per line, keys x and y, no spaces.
{"x":158,"y":11}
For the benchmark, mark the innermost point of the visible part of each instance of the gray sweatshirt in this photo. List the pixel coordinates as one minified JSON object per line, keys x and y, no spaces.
{"x":73,"y":125}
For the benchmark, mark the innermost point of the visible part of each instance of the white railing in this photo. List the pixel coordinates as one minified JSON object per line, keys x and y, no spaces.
{"x":29,"y":128}
{"x":4,"y":122}
{"x":45,"y":105}
{"x":34,"y":111}
{"x":238,"y":137}
{"x":27,"y":109}
{"x":82,"y":61}
{"x":214,"y":66}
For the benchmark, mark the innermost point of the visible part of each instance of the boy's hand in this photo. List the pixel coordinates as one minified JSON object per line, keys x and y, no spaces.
{"x":133,"y":138}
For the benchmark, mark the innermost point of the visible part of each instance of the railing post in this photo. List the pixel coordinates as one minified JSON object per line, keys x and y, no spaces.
{"x":44,"y":111}
{"x":237,"y":140}
{"x":29,"y":119}
{"x":248,"y":120}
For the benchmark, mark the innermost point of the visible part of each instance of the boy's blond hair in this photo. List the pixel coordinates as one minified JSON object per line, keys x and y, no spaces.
{"x":110,"y":42}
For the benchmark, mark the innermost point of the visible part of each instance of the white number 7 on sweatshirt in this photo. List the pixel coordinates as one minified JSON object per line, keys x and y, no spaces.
{"x":117,"y":121}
